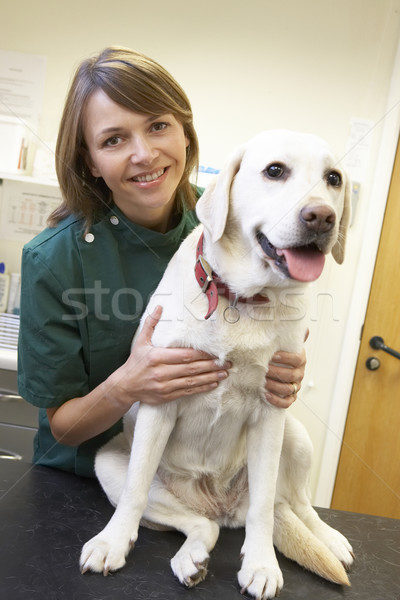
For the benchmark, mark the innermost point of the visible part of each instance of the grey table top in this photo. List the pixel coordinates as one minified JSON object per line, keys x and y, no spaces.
{"x":46,"y":516}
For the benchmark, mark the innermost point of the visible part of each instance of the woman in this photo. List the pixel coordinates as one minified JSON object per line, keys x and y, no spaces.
{"x":126,"y":148}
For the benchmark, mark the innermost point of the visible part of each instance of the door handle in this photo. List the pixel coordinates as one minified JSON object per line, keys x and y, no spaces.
{"x":377,"y":343}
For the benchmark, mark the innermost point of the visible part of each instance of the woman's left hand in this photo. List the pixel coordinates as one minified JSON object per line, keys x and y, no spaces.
{"x":283,"y":382}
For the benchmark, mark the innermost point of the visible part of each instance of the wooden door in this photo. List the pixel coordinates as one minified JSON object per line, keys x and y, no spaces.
{"x":368,"y":476}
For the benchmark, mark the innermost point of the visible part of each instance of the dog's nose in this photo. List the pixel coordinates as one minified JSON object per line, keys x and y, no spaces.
{"x":318,"y":218}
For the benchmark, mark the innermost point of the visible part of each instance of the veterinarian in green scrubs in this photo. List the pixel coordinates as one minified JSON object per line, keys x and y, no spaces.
{"x":125,"y":151}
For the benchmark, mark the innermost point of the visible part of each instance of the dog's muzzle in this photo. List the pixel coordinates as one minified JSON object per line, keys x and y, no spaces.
{"x":303,"y":263}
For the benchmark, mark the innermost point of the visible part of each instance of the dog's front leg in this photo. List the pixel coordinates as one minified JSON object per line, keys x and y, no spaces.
{"x":260,"y":574}
{"x":107,"y":551}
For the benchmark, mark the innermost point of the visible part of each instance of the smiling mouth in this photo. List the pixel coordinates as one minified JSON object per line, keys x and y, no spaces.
{"x":303,"y":263}
{"x":149,"y":176}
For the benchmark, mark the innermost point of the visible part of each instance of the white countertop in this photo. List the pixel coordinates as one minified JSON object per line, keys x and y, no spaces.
{"x":9,"y":328}
{"x":8,"y":359}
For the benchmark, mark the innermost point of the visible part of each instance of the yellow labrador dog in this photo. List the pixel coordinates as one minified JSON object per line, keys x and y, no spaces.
{"x":236,"y":289}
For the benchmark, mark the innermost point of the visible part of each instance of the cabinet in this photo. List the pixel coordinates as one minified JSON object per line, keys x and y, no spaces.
{"x":25,"y":203}
{"x":18,"y":420}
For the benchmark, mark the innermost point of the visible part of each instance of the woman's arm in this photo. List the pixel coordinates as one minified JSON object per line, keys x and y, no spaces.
{"x":155,"y":375}
{"x":151,"y":375}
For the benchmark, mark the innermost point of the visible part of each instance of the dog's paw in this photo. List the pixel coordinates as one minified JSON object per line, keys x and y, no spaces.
{"x":260,"y":580}
{"x":103,"y":554}
{"x":189,"y":564}
{"x":340,"y":546}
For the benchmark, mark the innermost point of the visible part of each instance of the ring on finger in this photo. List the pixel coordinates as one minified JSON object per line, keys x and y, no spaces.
{"x":295,"y":388}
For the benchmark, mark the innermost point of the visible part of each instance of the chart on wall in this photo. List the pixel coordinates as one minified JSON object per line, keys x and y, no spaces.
{"x":22,"y":78}
{"x":25,"y":207}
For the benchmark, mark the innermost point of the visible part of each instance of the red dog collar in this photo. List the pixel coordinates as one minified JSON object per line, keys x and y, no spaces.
{"x":212,"y":286}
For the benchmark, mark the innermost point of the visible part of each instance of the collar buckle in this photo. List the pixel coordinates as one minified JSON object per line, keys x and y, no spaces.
{"x":206,"y":272}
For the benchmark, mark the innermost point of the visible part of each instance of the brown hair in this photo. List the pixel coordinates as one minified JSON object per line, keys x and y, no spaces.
{"x":135,"y":82}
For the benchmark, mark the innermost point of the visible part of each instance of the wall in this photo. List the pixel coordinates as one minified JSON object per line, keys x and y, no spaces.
{"x":302,"y":64}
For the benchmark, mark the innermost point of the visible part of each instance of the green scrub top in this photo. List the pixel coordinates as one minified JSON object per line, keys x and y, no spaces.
{"x":82,"y":297}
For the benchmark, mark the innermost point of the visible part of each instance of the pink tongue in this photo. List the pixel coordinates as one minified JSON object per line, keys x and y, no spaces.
{"x":304,"y":264}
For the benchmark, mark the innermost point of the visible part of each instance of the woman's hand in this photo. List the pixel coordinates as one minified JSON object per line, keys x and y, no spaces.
{"x":155,"y":375}
{"x":284,"y":377}
{"x":151,"y":375}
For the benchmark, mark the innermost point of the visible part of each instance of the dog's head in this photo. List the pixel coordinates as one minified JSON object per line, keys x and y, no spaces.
{"x":290,"y":199}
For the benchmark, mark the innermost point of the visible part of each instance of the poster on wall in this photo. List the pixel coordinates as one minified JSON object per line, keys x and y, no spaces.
{"x":24,"y":208}
{"x":22,"y":78}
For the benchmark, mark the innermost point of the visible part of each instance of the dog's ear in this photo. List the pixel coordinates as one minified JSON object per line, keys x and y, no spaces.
{"x":339,"y":248}
{"x":213,"y":206}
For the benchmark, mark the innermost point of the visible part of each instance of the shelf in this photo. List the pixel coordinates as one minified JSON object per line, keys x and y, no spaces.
{"x":29,"y":179}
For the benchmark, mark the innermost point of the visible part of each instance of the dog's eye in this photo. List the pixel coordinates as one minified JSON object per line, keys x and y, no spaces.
{"x":334,"y":178}
{"x":274,"y":171}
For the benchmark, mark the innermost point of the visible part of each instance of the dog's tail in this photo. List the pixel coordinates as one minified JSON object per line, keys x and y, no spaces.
{"x":293,"y":539}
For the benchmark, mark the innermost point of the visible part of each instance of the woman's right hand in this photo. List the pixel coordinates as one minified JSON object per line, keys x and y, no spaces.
{"x":155,"y":375}
{"x":151,"y":375}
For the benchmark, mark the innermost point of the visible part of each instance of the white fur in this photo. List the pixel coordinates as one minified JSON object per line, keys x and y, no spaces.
{"x":228,"y":458}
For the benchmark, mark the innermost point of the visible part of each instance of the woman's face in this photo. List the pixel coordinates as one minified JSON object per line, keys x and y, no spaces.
{"x":141,"y":158}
